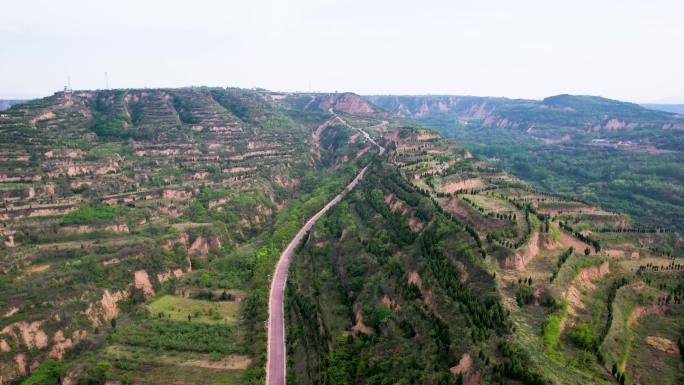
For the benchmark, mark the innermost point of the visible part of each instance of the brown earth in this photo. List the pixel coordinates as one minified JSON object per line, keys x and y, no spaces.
{"x":663,"y":344}
{"x":641,"y":311}
{"x":518,"y":261}
{"x":462,"y":185}
{"x":31,"y":334}
{"x":142,"y":281}
{"x":360,"y":327}
{"x":589,"y":275}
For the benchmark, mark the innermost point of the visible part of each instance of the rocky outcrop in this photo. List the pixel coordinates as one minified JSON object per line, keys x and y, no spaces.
{"x":589,"y":275}
{"x":352,"y":104}
{"x":165,"y":276}
{"x":519,"y":260}
{"x":106,"y":308}
{"x":202,"y":245}
{"x":142,"y":281}
{"x":62,"y":344}
{"x":28,"y":333}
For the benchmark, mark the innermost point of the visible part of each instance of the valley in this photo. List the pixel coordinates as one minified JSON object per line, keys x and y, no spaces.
{"x":620,"y":156}
{"x":207,"y":235}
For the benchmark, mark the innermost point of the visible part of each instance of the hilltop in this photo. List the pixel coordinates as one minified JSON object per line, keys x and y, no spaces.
{"x":141,"y":228}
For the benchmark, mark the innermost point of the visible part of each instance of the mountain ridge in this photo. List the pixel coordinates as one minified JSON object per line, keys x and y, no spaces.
{"x":141,"y":229}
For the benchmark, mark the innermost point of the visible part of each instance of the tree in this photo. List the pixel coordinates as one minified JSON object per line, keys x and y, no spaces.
{"x":587,"y":251}
{"x":48,"y":373}
{"x":113,"y":323}
{"x":101,"y":371}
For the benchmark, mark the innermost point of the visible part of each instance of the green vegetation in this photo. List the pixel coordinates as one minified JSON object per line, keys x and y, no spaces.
{"x":584,"y":337}
{"x":161,"y":334}
{"x":525,"y":295}
{"x":94,"y":214}
{"x":143,"y":226}
{"x":645,"y":185}
{"x":48,"y":373}
{"x":551,"y":328}
{"x":182,"y":309}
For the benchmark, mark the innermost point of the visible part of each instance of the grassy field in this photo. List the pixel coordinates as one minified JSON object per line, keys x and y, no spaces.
{"x":172,"y":375}
{"x":178,"y":309}
{"x":656,"y":363}
{"x":617,"y":344}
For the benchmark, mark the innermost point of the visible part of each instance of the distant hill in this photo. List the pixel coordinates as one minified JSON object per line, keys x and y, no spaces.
{"x":553,"y":119}
{"x":141,"y":229}
{"x":561,"y":111}
{"x":674,"y":108}
{"x":620,"y":155}
{"x":7,"y":103}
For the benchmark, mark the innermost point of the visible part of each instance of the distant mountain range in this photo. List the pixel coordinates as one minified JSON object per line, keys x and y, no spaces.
{"x":674,"y":108}
{"x":591,"y":113}
{"x":553,"y":119}
{"x":7,"y":103}
{"x":619,"y":155}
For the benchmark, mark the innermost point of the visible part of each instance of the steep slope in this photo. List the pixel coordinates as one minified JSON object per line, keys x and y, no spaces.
{"x":142,"y":229}
{"x":112,"y":197}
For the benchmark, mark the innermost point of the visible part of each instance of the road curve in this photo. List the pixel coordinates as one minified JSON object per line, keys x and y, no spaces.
{"x":276,"y":361}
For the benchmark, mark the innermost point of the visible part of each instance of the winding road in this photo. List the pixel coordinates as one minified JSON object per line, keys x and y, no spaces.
{"x":276,"y":364}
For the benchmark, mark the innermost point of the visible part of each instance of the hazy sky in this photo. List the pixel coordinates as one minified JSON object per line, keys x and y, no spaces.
{"x":623,"y":49}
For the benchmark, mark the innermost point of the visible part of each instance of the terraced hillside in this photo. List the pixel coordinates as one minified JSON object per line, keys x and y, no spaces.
{"x":443,"y":269}
{"x":141,"y":229}
{"x":130,"y":215}
{"x":617,"y":155}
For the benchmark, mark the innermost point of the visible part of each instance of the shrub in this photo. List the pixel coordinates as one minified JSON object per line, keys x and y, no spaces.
{"x":48,"y":373}
{"x":525,"y":295}
{"x":551,"y":327}
{"x":584,"y":337}
{"x":93,"y":214}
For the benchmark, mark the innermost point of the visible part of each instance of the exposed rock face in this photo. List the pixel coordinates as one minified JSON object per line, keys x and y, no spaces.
{"x":589,"y":275}
{"x":663,"y":344}
{"x":390,"y":303}
{"x":464,"y":364}
{"x":176,"y":195}
{"x":20,"y":359}
{"x":202,"y":245}
{"x":353,"y":104}
{"x":61,"y":344}
{"x":106,"y":309}
{"x":360,"y":327}
{"x":462,"y":185}
{"x":11,"y":312}
{"x":30,"y":333}
{"x":163,"y":277}
{"x":117,"y":228}
{"x":142,"y":281}
{"x":518,"y":261}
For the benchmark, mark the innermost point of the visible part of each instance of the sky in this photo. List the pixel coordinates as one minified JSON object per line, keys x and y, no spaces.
{"x":622,"y":49}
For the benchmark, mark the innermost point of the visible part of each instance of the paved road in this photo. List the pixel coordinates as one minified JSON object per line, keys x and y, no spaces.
{"x":276,"y":367}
